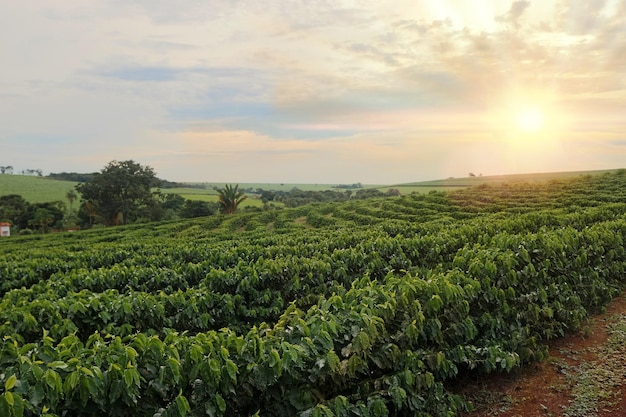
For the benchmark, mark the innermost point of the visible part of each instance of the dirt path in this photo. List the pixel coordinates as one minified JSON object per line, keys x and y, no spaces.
{"x":585,"y":376}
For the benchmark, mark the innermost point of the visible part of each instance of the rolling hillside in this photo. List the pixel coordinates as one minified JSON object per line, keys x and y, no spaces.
{"x":370,"y":307}
{"x":35,"y":189}
{"x":42,"y":189}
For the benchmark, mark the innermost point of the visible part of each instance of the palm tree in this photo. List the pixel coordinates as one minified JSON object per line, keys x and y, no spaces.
{"x":71,"y":197}
{"x":230,"y":197}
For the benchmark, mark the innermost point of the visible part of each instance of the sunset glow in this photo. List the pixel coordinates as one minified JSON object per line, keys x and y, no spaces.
{"x":530,"y":120}
{"x":322,"y":92}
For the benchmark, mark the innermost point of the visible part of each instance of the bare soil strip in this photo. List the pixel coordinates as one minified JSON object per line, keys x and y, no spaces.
{"x":585,"y":376}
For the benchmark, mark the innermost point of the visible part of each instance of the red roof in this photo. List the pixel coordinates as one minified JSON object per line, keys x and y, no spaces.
{"x":5,"y":224}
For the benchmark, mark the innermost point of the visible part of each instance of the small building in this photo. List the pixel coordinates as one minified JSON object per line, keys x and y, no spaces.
{"x":5,"y":229}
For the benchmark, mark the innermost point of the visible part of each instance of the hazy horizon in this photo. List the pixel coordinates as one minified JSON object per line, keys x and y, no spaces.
{"x":326,"y":92}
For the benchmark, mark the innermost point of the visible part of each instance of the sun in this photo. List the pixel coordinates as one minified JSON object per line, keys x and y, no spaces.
{"x":527,"y":118}
{"x":530,"y":120}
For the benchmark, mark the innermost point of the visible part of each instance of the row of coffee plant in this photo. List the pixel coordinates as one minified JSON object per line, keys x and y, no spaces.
{"x":365,"y":308}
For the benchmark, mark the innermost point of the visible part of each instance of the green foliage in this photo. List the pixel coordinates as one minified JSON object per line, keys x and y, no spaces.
{"x":366,"y":308}
{"x":120,"y":191}
{"x":194,"y":208}
{"x":229,"y":198}
{"x":12,"y":208}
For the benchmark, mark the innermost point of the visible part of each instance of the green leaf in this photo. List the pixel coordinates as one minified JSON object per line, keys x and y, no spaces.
{"x":174,"y":366}
{"x":8,"y":396}
{"x":57,"y":365}
{"x":183,"y":405}
{"x":275,"y":359}
{"x":53,"y":380}
{"x":18,"y":407}
{"x":27,"y":348}
{"x":10,"y":383}
{"x":37,"y":371}
{"x":231,"y":369}
{"x":37,"y":395}
{"x":214,"y":366}
{"x":209,"y":408}
{"x":221,"y":404}
{"x":71,"y":382}
{"x":4,"y":407}
{"x":128,"y":378}
{"x":332,"y":360}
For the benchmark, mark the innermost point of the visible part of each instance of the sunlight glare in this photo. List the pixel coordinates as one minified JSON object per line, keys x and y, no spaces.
{"x":530,"y":120}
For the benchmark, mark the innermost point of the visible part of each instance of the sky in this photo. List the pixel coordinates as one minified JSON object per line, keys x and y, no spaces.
{"x":321,"y":91}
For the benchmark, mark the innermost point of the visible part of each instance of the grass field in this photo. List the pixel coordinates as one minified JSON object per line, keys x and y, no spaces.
{"x":451,"y":184}
{"x":281,"y":187}
{"x":42,"y":189}
{"x":35,"y":189}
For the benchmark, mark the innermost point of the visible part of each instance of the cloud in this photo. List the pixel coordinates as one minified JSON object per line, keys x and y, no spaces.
{"x":516,"y":11}
{"x":144,"y":74}
{"x":271,"y":88}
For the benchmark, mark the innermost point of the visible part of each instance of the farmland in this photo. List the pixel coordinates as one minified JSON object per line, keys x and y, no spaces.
{"x":44,"y":189}
{"x":35,"y":189}
{"x":368,"y":307}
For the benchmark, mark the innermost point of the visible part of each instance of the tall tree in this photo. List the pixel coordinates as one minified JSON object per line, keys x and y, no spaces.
{"x":42,"y":218}
{"x":120,"y":191}
{"x":12,"y":207}
{"x":33,"y":215}
{"x":230,"y":197}
{"x":71,"y":197}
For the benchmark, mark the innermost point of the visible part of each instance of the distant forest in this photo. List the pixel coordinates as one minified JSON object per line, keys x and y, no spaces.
{"x":87,"y":177}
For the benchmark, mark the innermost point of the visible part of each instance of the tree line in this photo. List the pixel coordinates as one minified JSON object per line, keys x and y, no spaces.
{"x":121,"y":193}
{"x":297,"y":197}
{"x":126,"y":192}
{"x":8,"y":169}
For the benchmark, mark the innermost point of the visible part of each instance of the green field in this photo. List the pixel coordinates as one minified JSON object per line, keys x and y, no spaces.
{"x":211,"y":196}
{"x":375,"y":307}
{"x":41,"y":189}
{"x":453,"y":184}
{"x":282,"y":187}
{"x":35,"y":189}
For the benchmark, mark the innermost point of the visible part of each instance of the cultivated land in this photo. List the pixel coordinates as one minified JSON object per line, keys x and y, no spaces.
{"x":381,"y":307}
{"x":35,"y":189}
{"x":42,"y":189}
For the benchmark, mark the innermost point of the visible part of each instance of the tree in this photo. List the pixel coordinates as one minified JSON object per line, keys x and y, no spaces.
{"x":122,"y":191}
{"x":196,"y":208}
{"x":173,"y":202}
{"x":43,"y":217}
{"x":230,"y":197}
{"x":33,"y":216}
{"x":71,"y":197}
{"x":86,"y":214}
{"x":12,"y":207}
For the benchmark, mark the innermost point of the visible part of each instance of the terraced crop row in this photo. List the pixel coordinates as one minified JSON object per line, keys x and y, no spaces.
{"x":366,"y":308}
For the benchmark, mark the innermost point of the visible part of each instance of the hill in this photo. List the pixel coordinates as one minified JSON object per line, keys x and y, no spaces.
{"x":35,"y":189}
{"x":451,"y":184}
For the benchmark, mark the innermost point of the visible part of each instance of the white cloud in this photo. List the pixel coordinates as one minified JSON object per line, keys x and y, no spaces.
{"x":281,"y":88}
